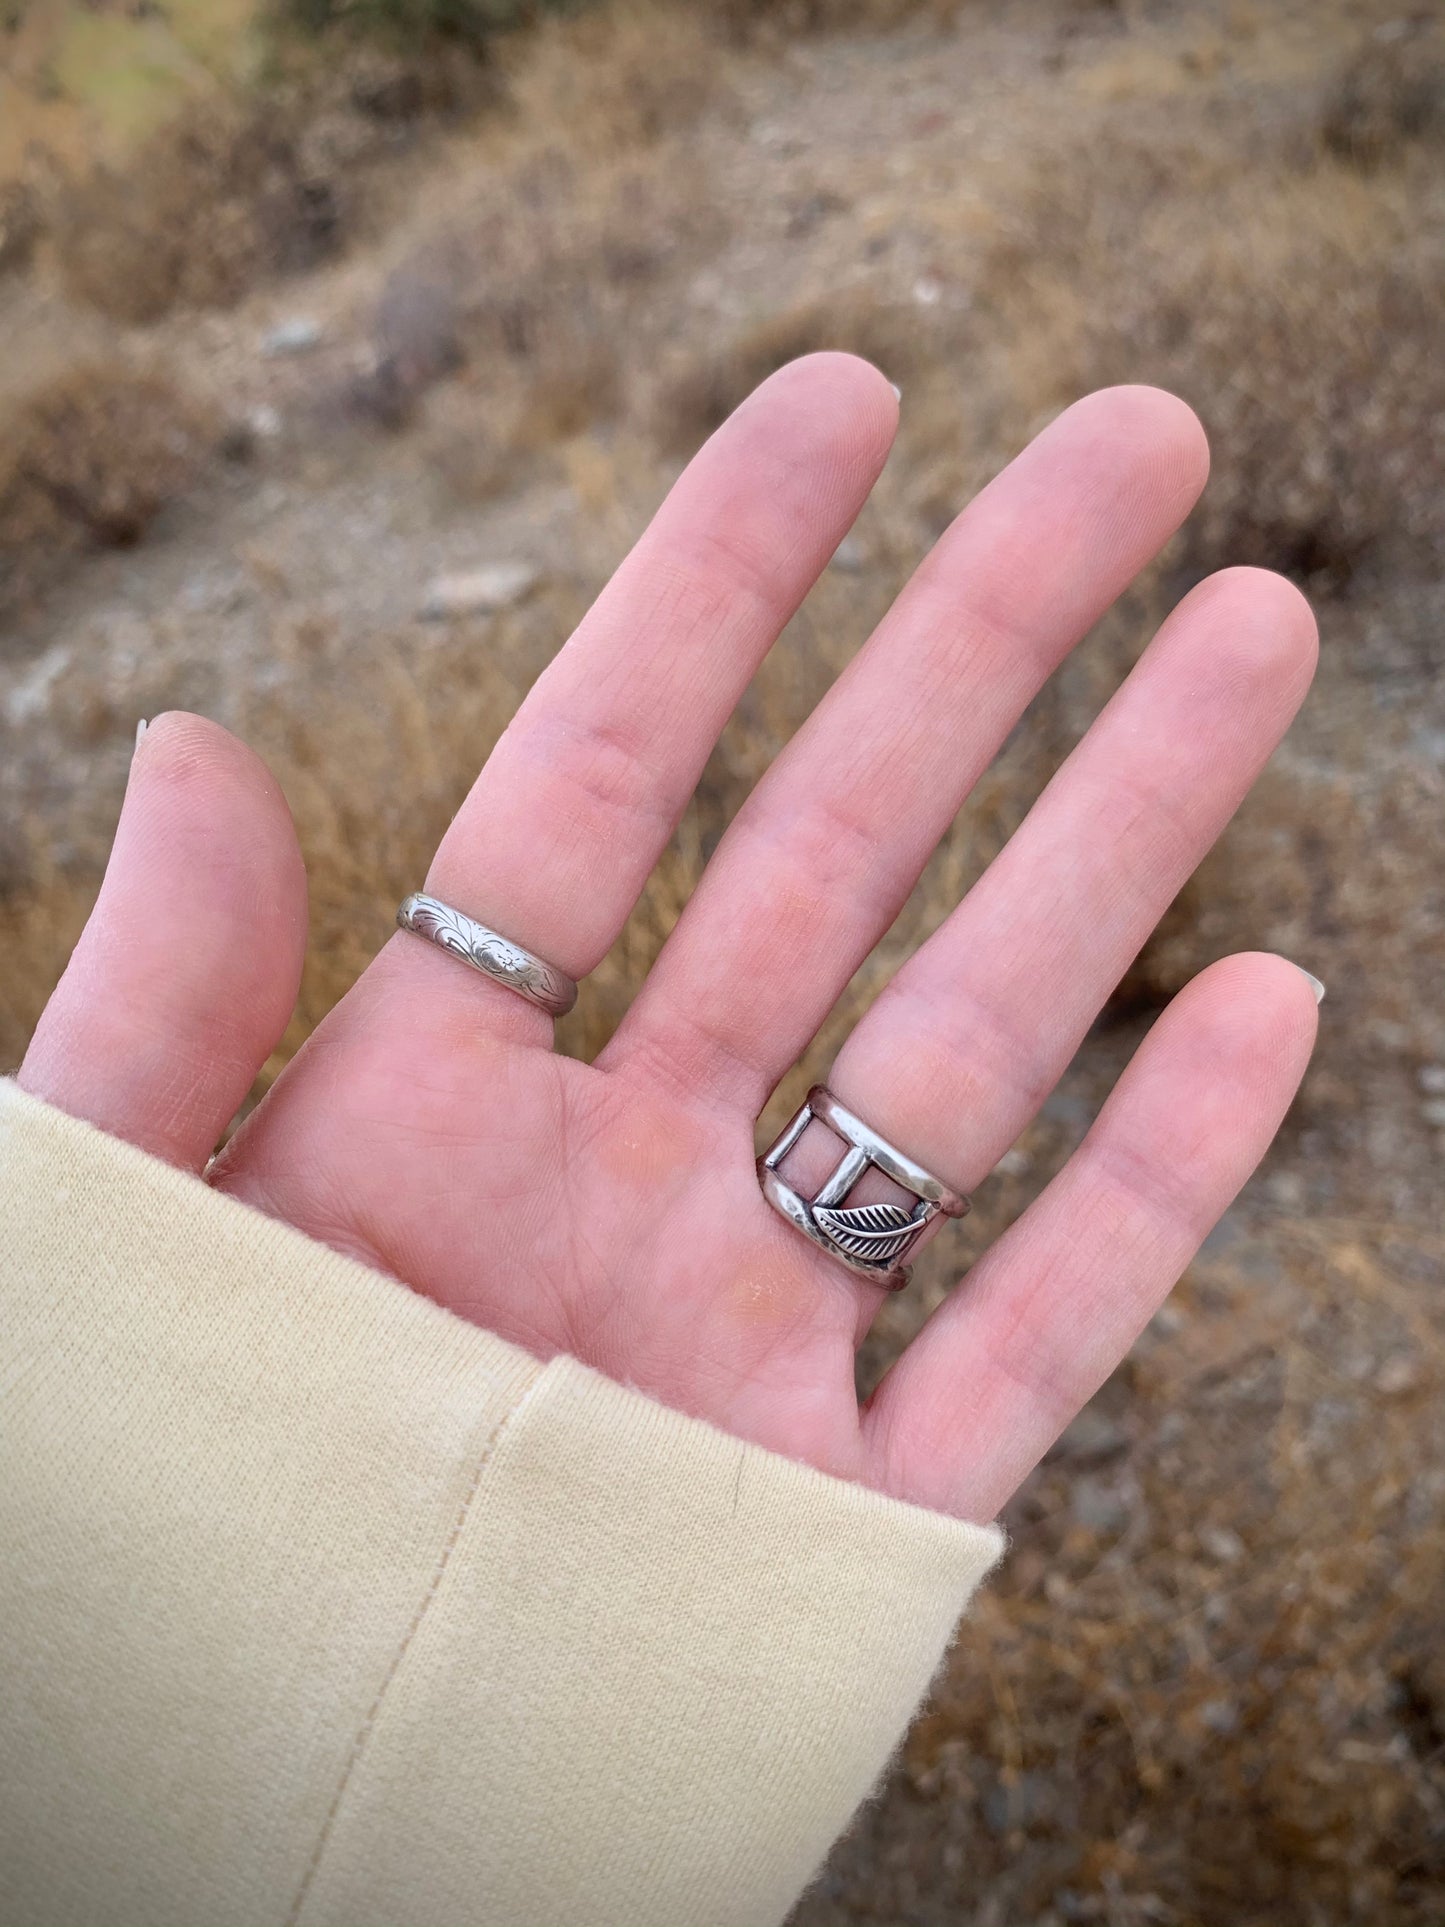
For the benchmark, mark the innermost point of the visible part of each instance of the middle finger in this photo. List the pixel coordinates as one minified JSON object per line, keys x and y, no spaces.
{"x":969,"y":1038}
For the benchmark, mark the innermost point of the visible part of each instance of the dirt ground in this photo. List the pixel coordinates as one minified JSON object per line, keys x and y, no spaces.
{"x":262,"y":388}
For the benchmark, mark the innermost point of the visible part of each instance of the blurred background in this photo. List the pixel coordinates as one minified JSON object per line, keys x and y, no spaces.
{"x":347,"y":344}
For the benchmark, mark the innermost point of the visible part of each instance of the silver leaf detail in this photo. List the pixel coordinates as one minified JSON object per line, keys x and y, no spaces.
{"x":876,"y":1233}
{"x":443,"y":926}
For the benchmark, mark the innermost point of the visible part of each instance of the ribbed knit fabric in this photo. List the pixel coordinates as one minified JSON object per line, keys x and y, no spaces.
{"x":320,"y":1605}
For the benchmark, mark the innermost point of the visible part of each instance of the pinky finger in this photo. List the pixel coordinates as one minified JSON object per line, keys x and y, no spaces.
{"x":997,"y":1373}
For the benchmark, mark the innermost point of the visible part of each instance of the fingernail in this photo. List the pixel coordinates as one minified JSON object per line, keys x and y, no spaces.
{"x":140,"y":730}
{"x":1314,"y":983}
{"x":897,"y":391}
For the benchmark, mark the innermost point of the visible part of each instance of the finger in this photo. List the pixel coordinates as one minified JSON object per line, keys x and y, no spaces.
{"x":966,"y":1042}
{"x":1041,"y":1321}
{"x":185,"y":975}
{"x":575,"y":804}
{"x":821,"y":858}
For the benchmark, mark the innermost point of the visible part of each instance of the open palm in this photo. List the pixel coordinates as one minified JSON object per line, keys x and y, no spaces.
{"x":612,"y":1210}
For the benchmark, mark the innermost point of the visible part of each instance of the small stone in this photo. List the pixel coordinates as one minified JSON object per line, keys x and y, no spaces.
{"x":296,"y":336}
{"x":1432,"y":1079}
{"x":1397,"y":1376}
{"x":1223,"y":1544}
{"x":1092,"y":1439}
{"x":479,"y":591}
{"x":1098,"y":1506}
{"x":1220,"y":1716}
{"x":849,"y":556}
{"x":1433,"y":1111}
{"x":1286,"y":1189}
{"x":1014,"y":1164}
{"x":1017,"y":1802}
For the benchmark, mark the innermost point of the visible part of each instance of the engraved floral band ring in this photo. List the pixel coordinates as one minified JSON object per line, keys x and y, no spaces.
{"x":488,"y":951}
{"x":872,"y":1240}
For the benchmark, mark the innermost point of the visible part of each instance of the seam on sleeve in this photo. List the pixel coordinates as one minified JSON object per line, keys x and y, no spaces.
{"x":373,"y":1713}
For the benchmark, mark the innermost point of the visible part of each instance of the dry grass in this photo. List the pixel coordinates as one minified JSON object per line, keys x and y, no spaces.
{"x":1269,"y":314}
{"x":1389,"y":96}
{"x":749,"y":20}
{"x":241,"y":186}
{"x":537,"y":290}
{"x":1207,"y":1688}
{"x":89,"y":459}
{"x":619,"y":78}
{"x":1222,"y":1678}
{"x":19,"y":227}
{"x":216,"y":200}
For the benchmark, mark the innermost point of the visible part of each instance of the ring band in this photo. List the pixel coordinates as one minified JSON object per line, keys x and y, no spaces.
{"x":488,"y":951}
{"x":872,"y":1240}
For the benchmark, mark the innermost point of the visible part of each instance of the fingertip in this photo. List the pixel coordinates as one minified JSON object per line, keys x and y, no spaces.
{"x":1159,"y":428}
{"x":229,"y":815}
{"x":1254,"y":1008}
{"x":1245,"y":638}
{"x":840,"y":369}
{"x":1278,"y":613}
{"x":188,"y":969}
{"x":182,"y":748}
{"x":837,"y":390}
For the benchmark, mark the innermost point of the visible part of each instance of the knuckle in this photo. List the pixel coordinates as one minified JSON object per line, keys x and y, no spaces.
{"x":601,"y":773}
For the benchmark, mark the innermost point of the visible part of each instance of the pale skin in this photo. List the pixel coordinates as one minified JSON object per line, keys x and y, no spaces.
{"x":611,"y":1210}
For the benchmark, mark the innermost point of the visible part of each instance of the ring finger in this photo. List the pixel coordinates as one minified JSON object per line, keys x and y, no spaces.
{"x":973,"y":1033}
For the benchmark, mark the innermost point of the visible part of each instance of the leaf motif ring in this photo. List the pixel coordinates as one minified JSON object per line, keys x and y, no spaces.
{"x":488,"y":951}
{"x":870,"y":1239}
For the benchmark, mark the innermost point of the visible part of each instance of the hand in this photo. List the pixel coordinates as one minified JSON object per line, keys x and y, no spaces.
{"x":611,"y":1210}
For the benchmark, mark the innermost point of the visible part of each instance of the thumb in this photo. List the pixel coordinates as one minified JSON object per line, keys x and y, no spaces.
{"x":187,"y":972}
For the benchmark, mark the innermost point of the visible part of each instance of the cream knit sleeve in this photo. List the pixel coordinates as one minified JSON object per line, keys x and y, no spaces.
{"x":320,"y":1605}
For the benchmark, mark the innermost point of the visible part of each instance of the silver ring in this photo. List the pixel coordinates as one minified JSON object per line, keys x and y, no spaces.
{"x":870,"y":1239}
{"x":488,"y":951}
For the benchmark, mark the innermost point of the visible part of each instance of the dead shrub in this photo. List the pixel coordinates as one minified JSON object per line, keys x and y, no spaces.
{"x":775,"y":21}
{"x":407,"y":21}
{"x":619,"y":76}
{"x":416,"y":343}
{"x":91,"y":459}
{"x":543,"y":282}
{"x":1327,"y":449}
{"x":1296,"y":319}
{"x":465,"y":453}
{"x":747,"y":18}
{"x":19,"y":226}
{"x":217,"y":200}
{"x":576,"y":384}
{"x":1388,"y":94}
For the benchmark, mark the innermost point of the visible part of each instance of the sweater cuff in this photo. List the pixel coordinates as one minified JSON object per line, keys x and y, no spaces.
{"x":322,"y":1605}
